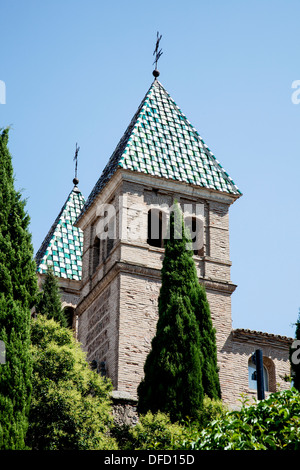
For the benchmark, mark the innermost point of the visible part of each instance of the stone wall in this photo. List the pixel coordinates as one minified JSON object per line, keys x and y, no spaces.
{"x":98,"y":327}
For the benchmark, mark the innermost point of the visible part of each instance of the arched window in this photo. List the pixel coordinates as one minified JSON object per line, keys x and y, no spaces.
{"x":155,"y":228}
{"x":69,"y":314}
{"x":252,"y":379}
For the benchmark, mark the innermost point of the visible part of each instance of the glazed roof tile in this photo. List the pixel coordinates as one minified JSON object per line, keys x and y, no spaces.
{"x":62,"y":247}
{"x":160,"y":141}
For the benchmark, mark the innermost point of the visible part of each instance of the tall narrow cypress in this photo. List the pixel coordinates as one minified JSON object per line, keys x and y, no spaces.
{"x":49,"y":303}
{"x":210,"y":376}
{"x":18,"y":288}
{"x":173,"y":368}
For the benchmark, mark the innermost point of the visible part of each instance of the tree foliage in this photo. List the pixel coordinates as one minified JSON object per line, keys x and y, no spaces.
{"x":49,"y":301}
{"x":158,"y":432}
{"x":70,"y":406}
{"x":18,"y":289}
{"x":210,"y":376}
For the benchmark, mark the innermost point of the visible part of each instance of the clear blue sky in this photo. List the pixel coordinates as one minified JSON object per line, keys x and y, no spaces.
{"x":76,"y":71}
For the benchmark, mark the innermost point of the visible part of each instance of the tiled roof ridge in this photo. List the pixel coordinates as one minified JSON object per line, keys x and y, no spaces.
{"x":40,"y":253}
{"x":49,"y":239}
{"x":157,"y":120}
{"x":113,"y":161}
{"x":208,"y":152}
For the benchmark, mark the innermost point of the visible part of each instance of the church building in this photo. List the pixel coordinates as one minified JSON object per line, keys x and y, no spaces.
{"x":107,"y":252}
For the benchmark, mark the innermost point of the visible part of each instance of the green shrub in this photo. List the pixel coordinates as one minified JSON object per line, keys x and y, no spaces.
{"x":271,"y":424}
{"x":155,"y":431}
{"x":210,"y":411}
{"x":70,"y":407}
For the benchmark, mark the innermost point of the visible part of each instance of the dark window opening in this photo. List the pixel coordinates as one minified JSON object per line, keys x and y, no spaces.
{"x":155,"y":228}
{"x":110,"y":244}
{"x":69,"y":315}
{"x":195,"y":229}
{"x":96,"y":253}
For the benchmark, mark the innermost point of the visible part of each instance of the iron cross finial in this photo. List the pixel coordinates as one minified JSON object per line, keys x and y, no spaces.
{"x":75,"y":159}
{"x":157,"y":53}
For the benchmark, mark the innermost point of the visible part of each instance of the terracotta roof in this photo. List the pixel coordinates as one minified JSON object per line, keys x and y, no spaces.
{"x":160,"y":141}
{"x":241,"y":332}
{"x":62,"y":247}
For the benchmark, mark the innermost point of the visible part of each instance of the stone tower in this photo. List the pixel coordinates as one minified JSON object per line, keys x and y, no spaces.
{"x":107,"y":252}
{"x":160,"y":158}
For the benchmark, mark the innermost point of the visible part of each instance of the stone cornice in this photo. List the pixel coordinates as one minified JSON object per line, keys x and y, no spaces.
{"x":178,"y":187}
{"x":150,"y":182}
{"x":142,"y":270}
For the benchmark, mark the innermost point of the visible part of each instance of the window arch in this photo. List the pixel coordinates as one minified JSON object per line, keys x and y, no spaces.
{"x":252,"y":379}
{"x":70,"y":316}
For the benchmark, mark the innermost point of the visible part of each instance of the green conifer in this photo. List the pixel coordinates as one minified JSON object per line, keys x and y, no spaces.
{"x":18,"y":288}
{"x":173,"y":368}
{"x":49,"y":303}
{"x":210,"y":376}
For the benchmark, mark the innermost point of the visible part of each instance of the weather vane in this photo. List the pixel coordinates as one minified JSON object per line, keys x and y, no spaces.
{"x":75,"y":159}
{"x":157,"y":53}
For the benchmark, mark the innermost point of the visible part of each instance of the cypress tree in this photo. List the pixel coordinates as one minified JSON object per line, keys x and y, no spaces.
{"x":49,"y":303}
{"x":18,"y":288}
{"x":173,"y":368}
{"x":210,"y":376}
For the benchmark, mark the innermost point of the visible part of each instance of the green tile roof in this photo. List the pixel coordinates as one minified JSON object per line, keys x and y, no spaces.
{"x":160,"y":141}
{"x":62,"y":247}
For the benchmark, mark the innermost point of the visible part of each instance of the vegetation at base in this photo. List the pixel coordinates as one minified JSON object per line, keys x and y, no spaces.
{"x":270,"y":424}
{"x":18,"y":288}
{"x":70,"y":407}
{"x":156,"y":431}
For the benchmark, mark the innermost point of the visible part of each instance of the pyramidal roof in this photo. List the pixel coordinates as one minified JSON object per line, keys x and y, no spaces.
{"x":160,"y":141}
{"x":62,"y":247}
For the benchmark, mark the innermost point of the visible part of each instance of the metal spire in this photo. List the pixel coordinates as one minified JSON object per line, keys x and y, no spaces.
{"x":157,"y":53}
{"x":75,"y":159}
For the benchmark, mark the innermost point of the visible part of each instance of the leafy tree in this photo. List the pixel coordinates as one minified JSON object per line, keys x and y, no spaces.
{"x":173,"y":369}
{"x":70,"y":406}
{"x":49,"y":303}
{"x":18,"y":288}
